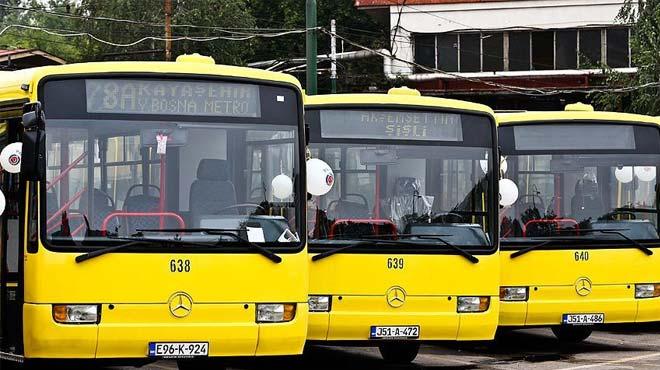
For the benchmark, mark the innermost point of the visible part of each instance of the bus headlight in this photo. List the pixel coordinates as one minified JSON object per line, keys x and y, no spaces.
{"x":513,"y":293}
{"x":473,"y":304}
{"x":647,"y":290}
{"x":276,"y":312}
{"x":319,"y":303}
{"x":76,"y":313}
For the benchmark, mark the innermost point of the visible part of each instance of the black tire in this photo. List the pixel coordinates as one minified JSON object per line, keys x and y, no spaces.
{"x":201,"y":364}
{"x":571,"y":334}
{"x":399,"y":352}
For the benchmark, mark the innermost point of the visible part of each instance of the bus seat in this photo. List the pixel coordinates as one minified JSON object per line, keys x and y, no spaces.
{"x":347,"y":209}
{"x":142,"y":203}
{"x":212,"y":192}
{"x":103,"y":206}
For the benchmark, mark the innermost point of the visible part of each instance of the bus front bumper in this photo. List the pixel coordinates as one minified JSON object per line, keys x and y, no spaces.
{"x":351,"y":319}
{"x":616,"y":303}
{"x":127,"y":329}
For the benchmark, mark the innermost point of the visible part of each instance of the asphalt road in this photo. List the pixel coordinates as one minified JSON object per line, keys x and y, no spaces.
{"x":621,"y":347}
{"x":615,"y":348}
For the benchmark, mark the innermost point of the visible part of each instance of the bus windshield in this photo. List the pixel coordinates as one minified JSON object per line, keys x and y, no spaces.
{"x":403,"y":174}
{"x":590,"y":181}
{"x":135,"y":157}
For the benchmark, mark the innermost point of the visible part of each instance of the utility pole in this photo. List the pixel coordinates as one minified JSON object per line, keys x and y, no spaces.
{"x":333,"y":56}
{"x":168,"y":30}
{"x":311,"y":49}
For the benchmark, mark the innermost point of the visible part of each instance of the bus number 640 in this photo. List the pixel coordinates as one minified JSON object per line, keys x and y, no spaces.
{"x":581,"y":256}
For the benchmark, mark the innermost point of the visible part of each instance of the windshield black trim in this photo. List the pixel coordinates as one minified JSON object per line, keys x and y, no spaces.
{"x":300,"y":186}
{"x":559,"y":245}
{"x":429,"y":249}
{"x":494,"y":184}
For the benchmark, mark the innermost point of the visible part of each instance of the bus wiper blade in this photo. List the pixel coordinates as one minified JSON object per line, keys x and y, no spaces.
{"x":469,"y":256}
{"x":329,"y":253}
{"x":519,"y":253}
{"x":99,"y":252}
{"x":223,"y":232}
{"x":634,"y":242}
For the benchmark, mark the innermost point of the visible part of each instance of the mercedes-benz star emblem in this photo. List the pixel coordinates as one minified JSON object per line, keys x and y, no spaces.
{"x":180,"y":304}
{"x":583,"y":286}
{"x":396,"y":296}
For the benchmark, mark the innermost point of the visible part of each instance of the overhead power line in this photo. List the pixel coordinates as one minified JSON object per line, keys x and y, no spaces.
{"x":242,"y":37}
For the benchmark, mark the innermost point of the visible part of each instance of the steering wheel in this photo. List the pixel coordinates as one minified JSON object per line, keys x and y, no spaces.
{"x":610,"y":215}
{"x":241,"y":205}
{"x":444,"y":217}
{"x":365,"y":202}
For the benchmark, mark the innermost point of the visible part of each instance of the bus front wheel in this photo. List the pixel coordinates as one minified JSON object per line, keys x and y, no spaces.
{"x":571,"y":334}
{"x":398,"y":352}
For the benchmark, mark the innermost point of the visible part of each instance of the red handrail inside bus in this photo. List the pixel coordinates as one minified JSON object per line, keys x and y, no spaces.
{"x":106,"y":220}
{"x":65,"y":171}
{"x":66,"y":205}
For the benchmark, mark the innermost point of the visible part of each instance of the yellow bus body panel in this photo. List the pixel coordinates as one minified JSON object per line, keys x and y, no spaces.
{"x":224,"y":287}
{"x":551,"y":275}
{"x":358,"y":283}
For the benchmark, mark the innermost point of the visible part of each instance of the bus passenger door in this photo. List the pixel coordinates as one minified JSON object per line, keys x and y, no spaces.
{"x":11,"y":291}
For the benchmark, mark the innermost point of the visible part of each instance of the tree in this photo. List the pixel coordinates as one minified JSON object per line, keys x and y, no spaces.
{"x":644,"y":16}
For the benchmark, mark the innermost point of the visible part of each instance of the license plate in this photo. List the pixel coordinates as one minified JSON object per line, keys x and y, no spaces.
{"x":394,"y":332}
{"x":583,"y":319}
{"x":178,"y":350}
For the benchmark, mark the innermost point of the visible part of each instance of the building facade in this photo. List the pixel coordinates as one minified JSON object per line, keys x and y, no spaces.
{"x":470,"y":48}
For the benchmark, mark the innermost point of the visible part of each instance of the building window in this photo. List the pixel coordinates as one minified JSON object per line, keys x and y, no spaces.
{"x":543,"y":50}
{"x":618,"y":47}
{"x":524,"y":50}
{"x":566,"y":49}
{"x":425,"y":50}
{"x":493,"y":51}
{"x":519,"y":51}
{"x":590,"y":48}
{"x":470,"y":51}
{"x":448,"y":52}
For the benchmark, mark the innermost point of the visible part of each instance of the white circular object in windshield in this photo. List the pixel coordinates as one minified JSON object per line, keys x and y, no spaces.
{"x":2,"y":202}
{"x":320,"y":177}
{"x":645,"y":173}
{"x":624,"y":174}
{"x":10,"y":157}
{"x":508,"y":192}
{"x":281,"y":186}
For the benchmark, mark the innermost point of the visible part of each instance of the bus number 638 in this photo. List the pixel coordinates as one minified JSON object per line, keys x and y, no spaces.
{"x":179,"y":265}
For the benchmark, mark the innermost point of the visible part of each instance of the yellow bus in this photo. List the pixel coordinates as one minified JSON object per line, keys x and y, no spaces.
{"x":157,"y":214}
{"x":579,"y":227}
{"x":404,"y":247}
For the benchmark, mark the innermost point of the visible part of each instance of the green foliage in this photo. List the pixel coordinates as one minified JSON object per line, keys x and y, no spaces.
{"x":238,"y":15}
{"x":645,"y":44}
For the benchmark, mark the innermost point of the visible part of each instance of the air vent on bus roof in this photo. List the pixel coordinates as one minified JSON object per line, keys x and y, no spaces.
{"x":403,"y":91}
{"x":579,"y":107}
{"x":195,"y":58}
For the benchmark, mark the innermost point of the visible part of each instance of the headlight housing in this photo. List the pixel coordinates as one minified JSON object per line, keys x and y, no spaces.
{"x":514,"y":293}
{"x":319,"y":303}
{"x":275,"y":312}
{"x":647,"y":290}
{"x":76,"y":313}
{"x":472,"y":304}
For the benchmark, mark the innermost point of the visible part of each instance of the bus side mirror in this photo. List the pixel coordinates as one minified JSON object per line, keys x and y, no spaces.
{"x":33,"y":166}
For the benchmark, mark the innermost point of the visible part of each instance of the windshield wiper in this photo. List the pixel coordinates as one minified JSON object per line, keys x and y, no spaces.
{"x":367,"y":241}
{"x":635,"y":243}
{"x":131,"y":242}
{"x":223,"y":232}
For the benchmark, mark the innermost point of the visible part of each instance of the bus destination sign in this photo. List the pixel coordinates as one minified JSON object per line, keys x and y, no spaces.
{"x":393,"y":125}
{"x":172,"y":97}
